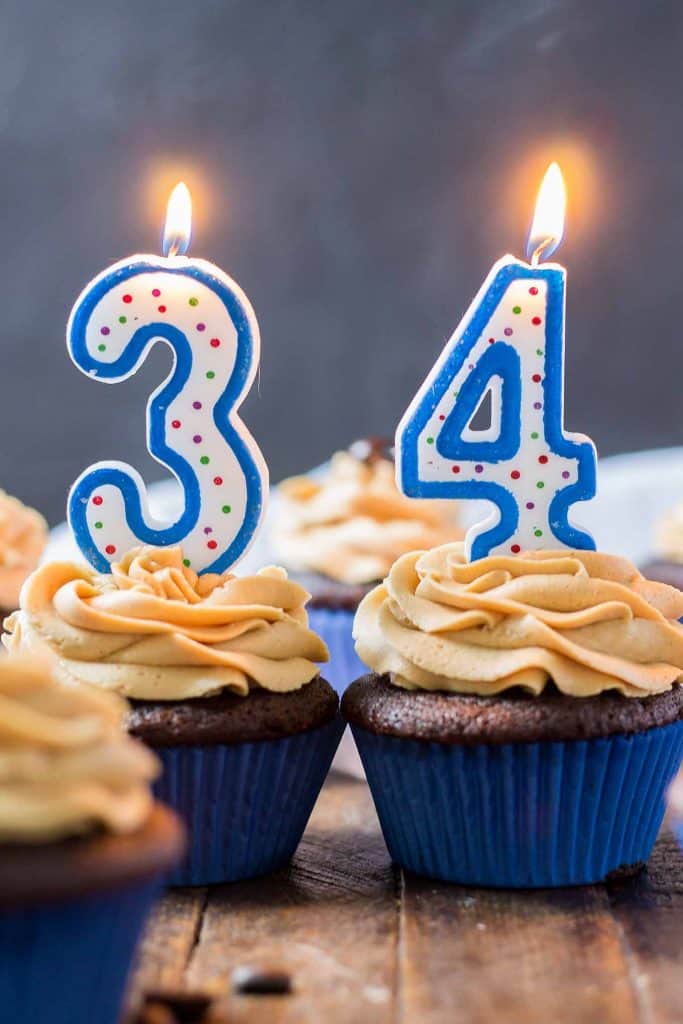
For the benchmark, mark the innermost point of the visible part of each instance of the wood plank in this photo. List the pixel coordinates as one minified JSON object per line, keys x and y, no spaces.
{"x":330,"y":920}
{"x":469,"y":956}
{"x":649,"y":909}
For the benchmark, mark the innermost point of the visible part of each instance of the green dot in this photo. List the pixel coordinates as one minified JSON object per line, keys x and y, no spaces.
{"x":186,"y":562}
{"x":538,"y":533}
{"x":539,"y":351}
{"x":204,"y":460}
{"x":123,"y":319}
{"x":226,"y":509}
{"x":430,"y":440}
{"x":516,"y":309}
{"x":101,"y":348}
{"x":455,"y":394}
{"x":194,"y":302}
{"x":534,"y":436}
{"x":540,"y":485}
{"x":98,"y":526}
{"x":210,"y":374}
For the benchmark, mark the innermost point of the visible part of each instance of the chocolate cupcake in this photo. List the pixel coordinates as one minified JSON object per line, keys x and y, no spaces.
{"x":83,"y":848}
{"x":340,"y":530}
{"x":524,"y":718}
{"x":223,"y":678}
{"x":23,"y":538}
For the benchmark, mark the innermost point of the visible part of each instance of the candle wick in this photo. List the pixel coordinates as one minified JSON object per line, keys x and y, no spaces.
{"x":539,"y":250}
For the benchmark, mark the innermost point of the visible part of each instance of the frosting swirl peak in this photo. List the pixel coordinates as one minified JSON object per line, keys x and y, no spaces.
{"x":155,"y":630}
{"x":67,"y":765}
{"x":589,"y":622}
{"x":352,"y":522}
{"x":23,"y":536}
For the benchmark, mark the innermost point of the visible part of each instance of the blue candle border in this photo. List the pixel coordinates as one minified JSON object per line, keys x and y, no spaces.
{"x":133,"y":355}
{"x":455,"y":354}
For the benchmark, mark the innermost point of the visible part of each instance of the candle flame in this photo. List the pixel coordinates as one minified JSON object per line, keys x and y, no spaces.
{"x":547,"y":227}
{"x":178,"y":226}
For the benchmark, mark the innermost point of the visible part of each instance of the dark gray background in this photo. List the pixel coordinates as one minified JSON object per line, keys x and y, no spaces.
{"x":358,"y":166}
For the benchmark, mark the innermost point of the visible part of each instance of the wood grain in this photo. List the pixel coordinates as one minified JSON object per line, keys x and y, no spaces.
{"x":364,"y":942}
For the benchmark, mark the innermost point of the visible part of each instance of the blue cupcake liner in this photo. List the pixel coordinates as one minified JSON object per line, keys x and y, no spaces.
{"x":69,"y":962}
{"x":245,"y":805}
{"x":335,"y":626}
{"x":521,"y":815}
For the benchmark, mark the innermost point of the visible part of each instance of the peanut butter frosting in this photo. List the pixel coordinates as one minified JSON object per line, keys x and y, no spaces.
{"x":352,"y":523}
{"x":23,"y":536}
{"x":155,"y":630}
{"x":587,"y":621}
{"x":67,"y":765}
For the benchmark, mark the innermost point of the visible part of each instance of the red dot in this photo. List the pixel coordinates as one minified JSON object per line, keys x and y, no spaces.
{"x":442,"y":417}
{"x":536,"y":320}
{"x":492,"y":341}
{"x":515,"y":549}
{"x":175,"y":424}
{"x":533,"y":290}
{"x":543,"y":459}
{"x":156,"y":292}
{"x":218,"y":480}
{"x":127,"y":298}
{"x":536,"y":378}
{"x":162,"y":309}
{"x":110,"y":549}
{"x":215,"y":342}
{"x":213,"y":544}
{"x":515,"y":474}
{"x":98,"y":499}
{"x":455,"y":469}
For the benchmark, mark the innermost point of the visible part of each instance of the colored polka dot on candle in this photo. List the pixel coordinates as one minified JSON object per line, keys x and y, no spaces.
{"x":538,"y":533}
{"x":98,"y":499}
{"x":226,"y":510}
{"x":478,"y":469}
{"x":128,"y":298}
{"x":515,"y":549}
{"x":534,"y":435}
{"x":536,"y":320}
{"x":105,"y":331}
{"x":205,"y":460}
{"x":197,"y":438}
{"x":517,"y":310}
{"x":218,"y":480}
{"x":110,"y":549}
{"x":98,"y":525}
{"x":455,"y":469}
{"x":156,"y":292}
{"x":533,"y":290}
{"x":215,"y":342}
{"x":123,"y":319}
{"x":196,"y":405}
{"x":430,"y":440}
{"x":212,"y":544}
{"x":201,"y":327}
{"x":193,"y":301}
{"x":536,"y":378}
{"x":515,"y":474}
{"x":210,"y":374}
{"x":162,"y":309}
{"x":537,"y":405}
{"x":507,"y":332}
{"x":492,"y":341}
{"x":530,"y":505}
{"x":442,"y":417}
{"x":186,"y":563}
{"x":565,"y":474}
{"x":101,"y":348}
{"x":539,"y":351}
{"x":208,"y":529}
{"x":543,"y":459}
{"x":540,"y":485}
{"x":175,"y":424}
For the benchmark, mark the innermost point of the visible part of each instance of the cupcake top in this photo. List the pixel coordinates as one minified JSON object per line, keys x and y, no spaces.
{"x":669,"y":536}
{"x":155,"y":630}
{"x":67,"y":766}
{"x":23,"y":536}
{"x":351,"y":523}
{"x":588,"y":622}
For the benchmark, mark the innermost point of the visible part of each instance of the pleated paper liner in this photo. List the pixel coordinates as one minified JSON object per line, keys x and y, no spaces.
{"x":245,"y":805}
{"x":522,"y":815}
{"x":335,"y":627}
{"x":69,"y":962}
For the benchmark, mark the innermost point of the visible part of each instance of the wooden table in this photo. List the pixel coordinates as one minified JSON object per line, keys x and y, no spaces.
{"x":361,"y":941}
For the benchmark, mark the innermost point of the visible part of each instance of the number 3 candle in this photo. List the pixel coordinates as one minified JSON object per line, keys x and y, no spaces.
{"x":192,"y":423}
{"x":509,"y":345}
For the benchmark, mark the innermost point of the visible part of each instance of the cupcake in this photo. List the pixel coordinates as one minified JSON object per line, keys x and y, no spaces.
{"x":340,"y":531}
{"x":224,"y":685}
{"x":523,"y":718}
{"x":83,"y":847}
{"x":675,"y":807}
{"x":23,"y":537}
{"x":667,"y":565}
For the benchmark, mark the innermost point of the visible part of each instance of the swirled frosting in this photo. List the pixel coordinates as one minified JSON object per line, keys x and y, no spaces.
{"x":67,"y":765}
{"x":23,"y":536}
{"x":155,"y":630}
{"x":589,"y":622}
{"x":669,"y":535}
{"x":352,"y":523}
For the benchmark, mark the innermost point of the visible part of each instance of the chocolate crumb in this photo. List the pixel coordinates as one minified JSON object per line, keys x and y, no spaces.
{"x":187,"y":1006}
{"x":260,"y":981}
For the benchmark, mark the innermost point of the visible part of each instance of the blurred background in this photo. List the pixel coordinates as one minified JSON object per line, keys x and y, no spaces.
{"x":357,"y":167}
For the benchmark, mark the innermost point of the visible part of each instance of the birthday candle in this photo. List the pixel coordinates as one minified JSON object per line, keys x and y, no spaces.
{"x":510,"y":345}
{"x":192,"y":424}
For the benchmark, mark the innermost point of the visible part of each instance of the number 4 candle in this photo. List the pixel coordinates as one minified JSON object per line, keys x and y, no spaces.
{"x":192,"y":424}
{"x":509,"y":346}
